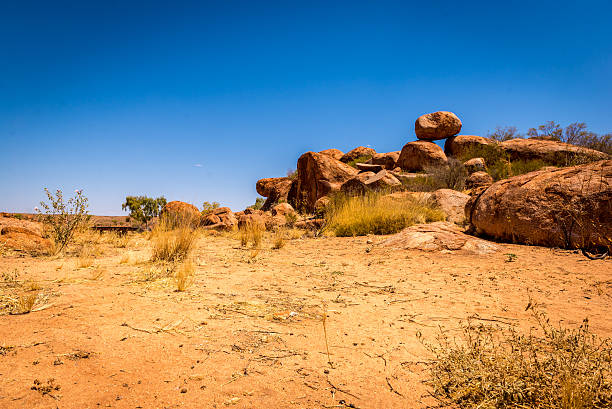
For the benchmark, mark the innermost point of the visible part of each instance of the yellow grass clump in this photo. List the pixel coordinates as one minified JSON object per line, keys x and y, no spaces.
{"x":184,"y":275}
{"x":375,"y":213}
{"x":251,"y":233}
{"x":172,"y":242}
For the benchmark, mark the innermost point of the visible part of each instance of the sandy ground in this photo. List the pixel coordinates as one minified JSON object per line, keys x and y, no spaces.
{"x":249,"y":332}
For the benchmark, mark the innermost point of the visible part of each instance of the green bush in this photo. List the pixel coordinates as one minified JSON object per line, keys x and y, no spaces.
{"x":360,"y":159}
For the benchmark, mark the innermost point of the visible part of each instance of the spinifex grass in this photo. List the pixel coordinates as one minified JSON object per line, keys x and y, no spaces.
{"x":375,"y":213}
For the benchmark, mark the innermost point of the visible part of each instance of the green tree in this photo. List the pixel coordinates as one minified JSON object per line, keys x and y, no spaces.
{"x":208,"y":207}
{"x":63,"y":217}
{"x":143,"y":208}
{"x":259,"y":202}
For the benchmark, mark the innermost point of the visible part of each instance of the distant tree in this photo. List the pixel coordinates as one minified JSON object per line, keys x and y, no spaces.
{"x":577,"y":132}
{"x":259,"y":202}
{"x":143,"y":208}
{"x":550,"y":129}
{"x":504,"y":133}
{"x":208,"y":207}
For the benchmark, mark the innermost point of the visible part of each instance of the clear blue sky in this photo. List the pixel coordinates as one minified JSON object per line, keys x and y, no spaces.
{"x":198,"y":100}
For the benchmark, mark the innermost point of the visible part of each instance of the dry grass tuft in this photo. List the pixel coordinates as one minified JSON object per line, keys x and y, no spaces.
{"x":279,"y":239}
{"x":23,"y":304}
{"x":375,"y":213}
{"x":184,"y":276}
{"x":125,"y":259}
{"x":251,"y":233}
{"x":490,"y":367}
{"x":97,"y":274}
{"x":85,"y":258}
{"x":173,"y":245}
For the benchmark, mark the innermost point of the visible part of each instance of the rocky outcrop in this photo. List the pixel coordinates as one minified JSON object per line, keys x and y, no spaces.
{"x":550,"y":151}
{"x":371,"y":182}
{"x":478,"y":179}
{"x":419,"y":155}
{"x":437,"y":125}
{"x":475,"y":165}
{"x":359,"y":152}
{"x":274,"y":189}
{"x":283,"y":209}
{"x":318,"y":175}
{"x":334,"y":153}
{"x":387,"y":160}
{"x":219,"y":219}
{"x":464,"y":144}
{"x":567,"y":207}
{"x":439,"y":236}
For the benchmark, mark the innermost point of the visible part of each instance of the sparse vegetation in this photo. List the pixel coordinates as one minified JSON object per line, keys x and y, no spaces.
{"x":251,"y":233}
{"x":505,"y":133}
{"x":63,"y":218}
{"x":552,"y":367}
{"x":184,"y":275}
{"x":279,"y":239}
{"x":173,"y":245}
{"x":451,"y":176}
{"x":375,"y":213}
{"x":360,"y":159}
{"x":142,"y":208}
{"x":259,"y":202}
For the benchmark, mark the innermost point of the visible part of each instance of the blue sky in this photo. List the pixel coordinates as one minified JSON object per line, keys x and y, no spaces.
{"x":198,"y":100}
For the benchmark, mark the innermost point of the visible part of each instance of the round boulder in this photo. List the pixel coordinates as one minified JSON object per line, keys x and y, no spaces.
{"x":419,"y":155}
{"x":437,"y":125}
{"x":334,"y":153}
{"x":359,"y":152}
{"x":471,"y":145}
{"x":478,"y":179}
{"x":475,"y":165}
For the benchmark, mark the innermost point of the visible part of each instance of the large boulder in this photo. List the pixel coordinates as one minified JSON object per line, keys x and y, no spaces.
{"x":387,"y":160}
{"x":334,"y":153}
{"x":318,"y":175}
{"x":358,"y":152}
{"x":274,"y":189}
{"x":461,"y":145}
{"x":550,"y":151}
{"x":419,"y":155}
{"x":439,"y":236}
{"x":180,"y":213}
{"x":452,"y":203}
{"x":567,"y":207}
{"x":370,"y":181}
{"x":437,"y":125}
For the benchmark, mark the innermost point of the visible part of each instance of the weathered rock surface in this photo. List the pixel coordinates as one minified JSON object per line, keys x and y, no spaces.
{"x":180,"y":212}
{"x":219,"y":219}
{"x":369,"y":181}
{"x":437,"y":125}
{"x":439,"y":236}
{"x":368,"y":167}
{"x":274,"y":189}
{"x":550,"y":151}
{"x":387,"y":160}
{"x":478,"y":179}
{"x":452,"y":203}
{"x":23,"y":235}
{"x":283,"y":209}
{"x":318,"y":175}
{"x":358,"y":152}
{"x":462,"y":144}
{"x":418,"y":155}
{"x":567,"y":207}
{"x":334,"y":153}
{"x":475,"y":165}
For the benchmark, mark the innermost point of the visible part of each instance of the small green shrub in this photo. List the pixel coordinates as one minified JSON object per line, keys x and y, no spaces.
{"x":208,"y":207}
{"x":451,"y":176}
{"x":375,"y":213}
{"x":259,"y":202}
{"x":63,"y":218}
